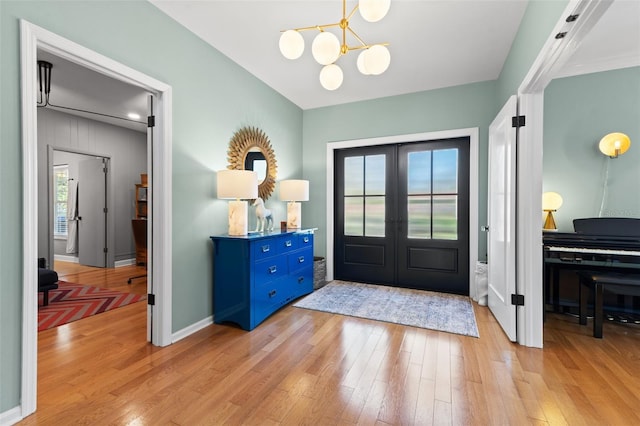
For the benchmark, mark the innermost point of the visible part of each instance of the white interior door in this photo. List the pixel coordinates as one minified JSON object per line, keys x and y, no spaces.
{"x":92,"y":214}
{"x":502,"y":218}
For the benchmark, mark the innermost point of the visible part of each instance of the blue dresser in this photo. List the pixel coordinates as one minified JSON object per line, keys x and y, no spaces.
{"x":257,"y":274}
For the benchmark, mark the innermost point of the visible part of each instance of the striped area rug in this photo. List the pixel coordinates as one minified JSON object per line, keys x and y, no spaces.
{"x":71,"y":302}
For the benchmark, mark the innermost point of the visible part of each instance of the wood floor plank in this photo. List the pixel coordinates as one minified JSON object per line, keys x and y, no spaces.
{"x":308,"y":367}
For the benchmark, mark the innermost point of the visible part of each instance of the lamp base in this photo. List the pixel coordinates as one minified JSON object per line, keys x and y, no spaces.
{"x":549,"y":223}
{"x":294,"y":215}
{"x":238,"y":218}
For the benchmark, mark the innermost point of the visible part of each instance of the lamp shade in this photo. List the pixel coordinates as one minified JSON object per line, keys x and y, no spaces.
{"x":331,"y":77}
{"x":373,"y":10}
{"x":291,"y":44}
{"x":614,"y":144}
{"x":376,"y":59}
{"x":325,"y":48}
{"x":551,"y":201}
{"x":237,"y":184}
{"x":294,"y":190}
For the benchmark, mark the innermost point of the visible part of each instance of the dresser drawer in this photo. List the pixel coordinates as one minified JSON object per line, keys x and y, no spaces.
{"x":270,"y":269}
{"x":290,"y":242}
{"x":305,"y":240}
{"x":300,"y":259}
{"x":266,"y":248}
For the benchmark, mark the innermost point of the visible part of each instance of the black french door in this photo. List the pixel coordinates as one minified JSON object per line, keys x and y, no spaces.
{"x":402,"y":215}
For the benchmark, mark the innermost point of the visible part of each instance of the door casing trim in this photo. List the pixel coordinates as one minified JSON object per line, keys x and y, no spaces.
{"x":473,"y":135}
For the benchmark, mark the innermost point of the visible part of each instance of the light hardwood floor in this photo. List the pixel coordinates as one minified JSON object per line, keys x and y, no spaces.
{"x":307,"y":367}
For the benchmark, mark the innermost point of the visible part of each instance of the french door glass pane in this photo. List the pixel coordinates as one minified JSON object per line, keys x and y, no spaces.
{"x":374,"y":219}
{"x":419,"y":216}
{"x":445,"y":171}
{"x":375,"y":175}
{"x":419,"y":173}
{"x":445,"y":217}
{"x":354,"y":175}
{"x":353,"y":216}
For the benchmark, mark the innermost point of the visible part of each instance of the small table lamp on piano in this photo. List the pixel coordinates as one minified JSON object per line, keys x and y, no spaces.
{"x":551,"y":201}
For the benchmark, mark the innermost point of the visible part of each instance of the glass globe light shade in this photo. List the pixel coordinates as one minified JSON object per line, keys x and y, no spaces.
{"x":377,"y":59}
{"x":551,"y":201}
{"x":291,"y":44}
{"x":331,"y":77}
{"x":325,"y":48}
{"x":360,"y":62}
{"x":373,"y":10}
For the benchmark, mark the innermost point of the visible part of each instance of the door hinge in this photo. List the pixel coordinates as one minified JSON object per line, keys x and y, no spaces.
{"x":105,"y":250}
{"x":105,"y":210}
{"x":517,"y":121}
{"x":517,"y":299}
{"x":572,"y":18}
{"x":151,"y":299}
{"x":151,"y":121}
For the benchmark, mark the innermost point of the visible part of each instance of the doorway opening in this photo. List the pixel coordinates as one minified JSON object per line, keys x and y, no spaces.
{"x":159,"y":332}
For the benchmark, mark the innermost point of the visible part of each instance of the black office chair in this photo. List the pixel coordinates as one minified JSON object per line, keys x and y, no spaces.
{"x":139,"y":227}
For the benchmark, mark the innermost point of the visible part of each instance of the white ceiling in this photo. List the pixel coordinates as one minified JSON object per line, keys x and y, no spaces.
{"x":433,"y":44}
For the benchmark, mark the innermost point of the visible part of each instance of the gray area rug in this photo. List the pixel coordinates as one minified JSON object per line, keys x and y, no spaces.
{"x":417,"y":308}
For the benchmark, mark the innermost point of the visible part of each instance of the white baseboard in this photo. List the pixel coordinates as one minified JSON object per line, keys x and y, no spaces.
{"x":125,"y":262}
{"x":65,"y":258}
{"x":11,"y":417}
{"x":179,"y":335}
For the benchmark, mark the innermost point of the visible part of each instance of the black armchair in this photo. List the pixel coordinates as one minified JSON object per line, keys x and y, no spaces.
{"x":47,"y":280}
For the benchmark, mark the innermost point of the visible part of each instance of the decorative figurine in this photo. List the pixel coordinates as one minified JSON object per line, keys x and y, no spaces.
{"x":264,"y":216}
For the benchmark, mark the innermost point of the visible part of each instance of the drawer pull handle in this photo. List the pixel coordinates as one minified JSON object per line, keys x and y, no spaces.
{"x":265,"y":249}
{"x":272,"y":269}
{"x":287,"y":243}
{"x":272,"y":293}
{"x":305,"y":239}
{"x":301,"y":259}
{"x":300,"y":280}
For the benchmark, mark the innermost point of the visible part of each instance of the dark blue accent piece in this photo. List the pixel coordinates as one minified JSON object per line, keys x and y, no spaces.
{"x":257,"y":274}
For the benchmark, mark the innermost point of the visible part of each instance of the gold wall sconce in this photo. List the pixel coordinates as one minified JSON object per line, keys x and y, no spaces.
{"x":614,"y":144}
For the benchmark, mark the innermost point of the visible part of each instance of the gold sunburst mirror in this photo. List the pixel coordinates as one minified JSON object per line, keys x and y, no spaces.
{"x":250,"y":149}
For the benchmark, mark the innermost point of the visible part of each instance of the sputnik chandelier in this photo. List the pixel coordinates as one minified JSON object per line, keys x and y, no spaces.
{"x":327,"y":48}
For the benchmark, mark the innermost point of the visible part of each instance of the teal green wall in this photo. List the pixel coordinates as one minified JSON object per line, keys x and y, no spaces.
{"x":212,"y":98}
{"x":578,"y":112}
{"x":536,"y":26}
{"x":457,"y":107}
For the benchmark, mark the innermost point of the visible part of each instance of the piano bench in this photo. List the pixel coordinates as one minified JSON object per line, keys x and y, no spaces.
{"x":597,"y":281}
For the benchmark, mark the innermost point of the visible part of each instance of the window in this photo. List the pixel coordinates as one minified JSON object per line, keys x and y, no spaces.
{"x":432,"y":189}
{"x":364,"y":195}
{"x":61,"y":187}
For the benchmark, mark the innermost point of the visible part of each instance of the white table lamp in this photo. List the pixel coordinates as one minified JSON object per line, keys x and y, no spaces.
{"x":294,"y":190}
{"x":238,"y":185}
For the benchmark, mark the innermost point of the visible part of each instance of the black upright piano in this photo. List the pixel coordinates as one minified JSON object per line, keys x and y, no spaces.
{"x":598,"y":244}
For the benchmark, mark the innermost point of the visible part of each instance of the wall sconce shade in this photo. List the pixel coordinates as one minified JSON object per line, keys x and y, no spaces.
{"x":551,"y":201}
{"x":614,"y":144}
{"x":237,"y":185}
{"x":294,"y":190}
